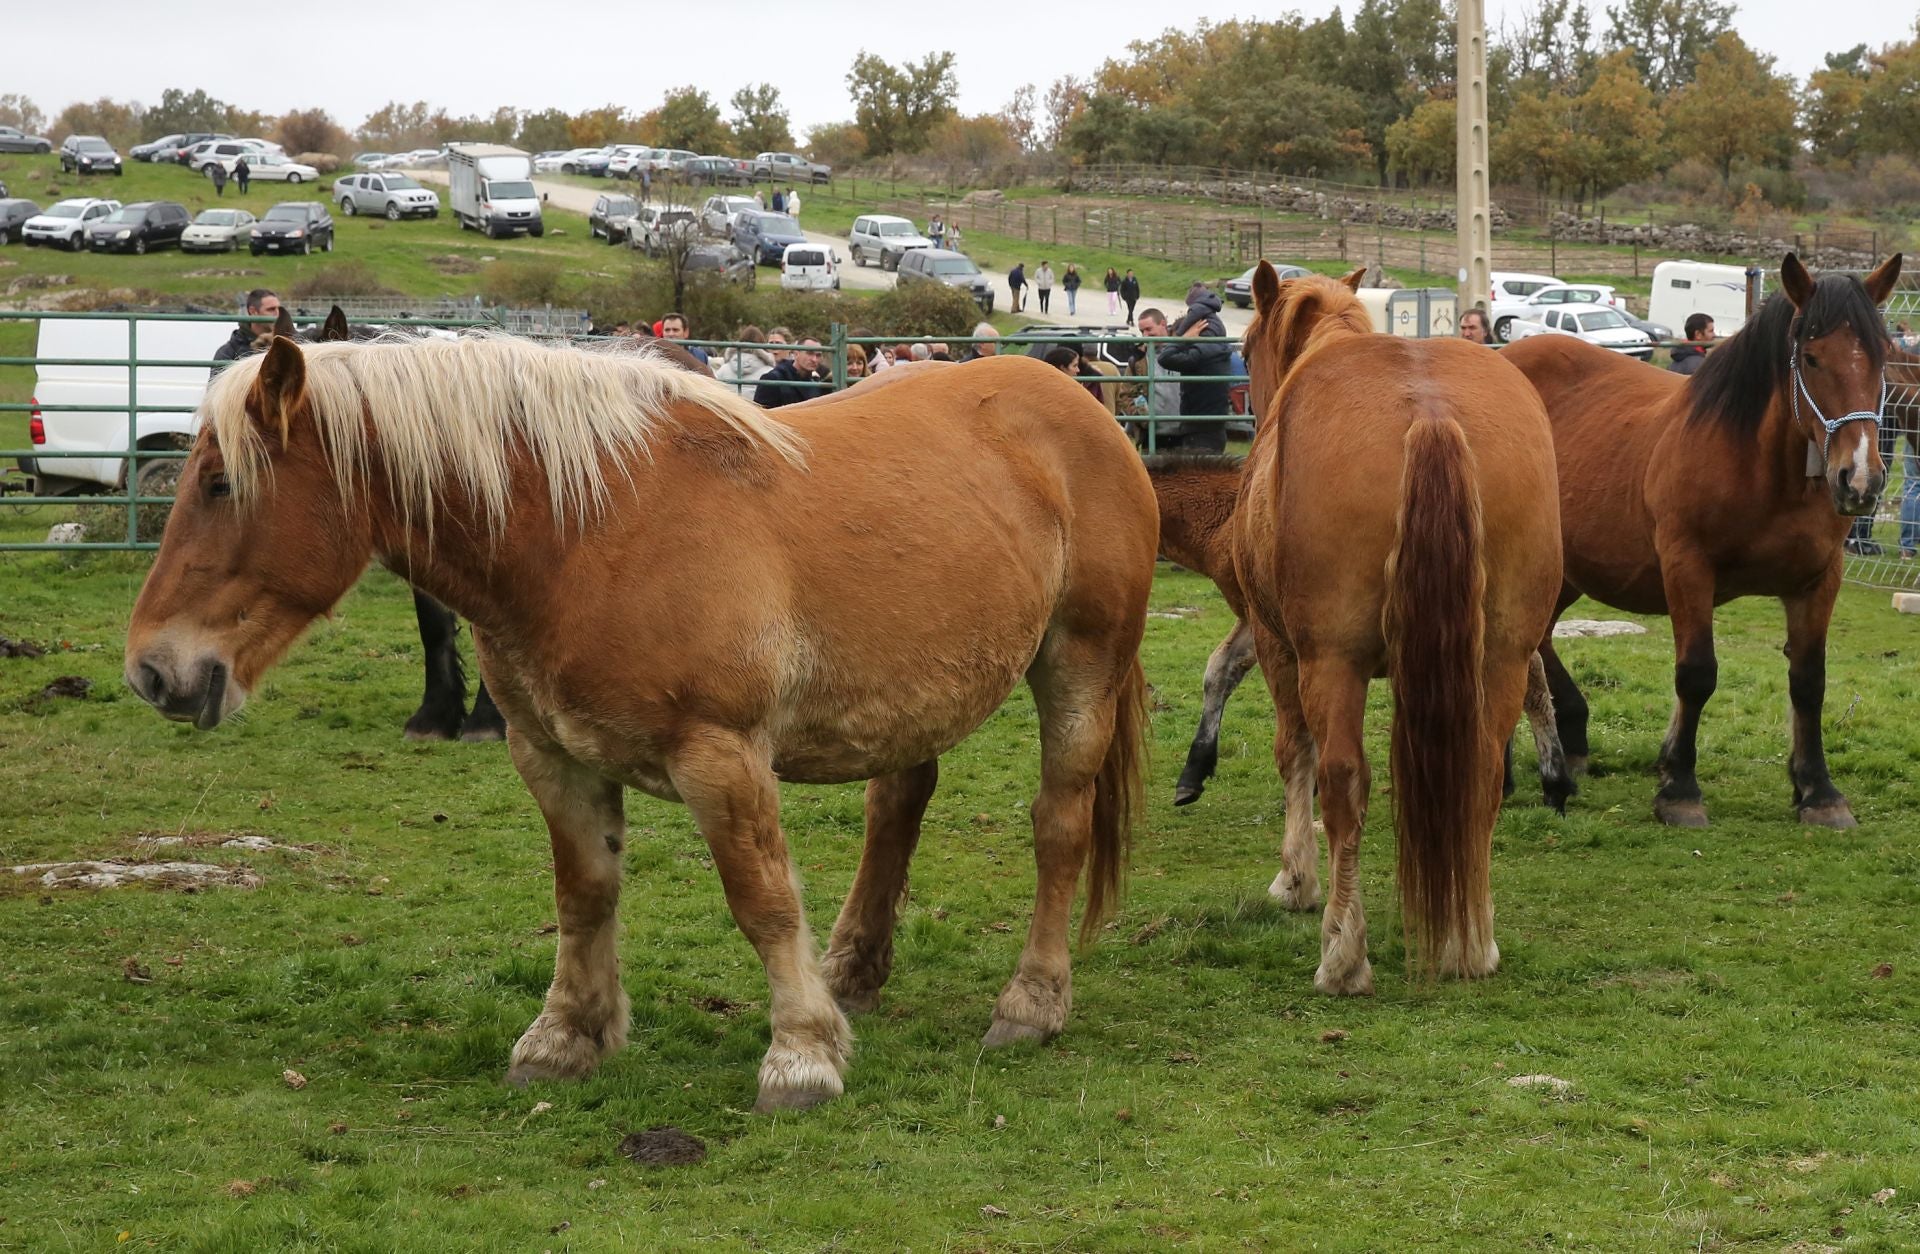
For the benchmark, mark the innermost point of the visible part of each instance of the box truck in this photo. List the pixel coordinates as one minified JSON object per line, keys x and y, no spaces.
{"x":491,"y":190}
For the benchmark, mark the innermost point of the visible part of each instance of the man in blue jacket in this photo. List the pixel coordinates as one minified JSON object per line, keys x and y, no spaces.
{"x":1204,"y":392}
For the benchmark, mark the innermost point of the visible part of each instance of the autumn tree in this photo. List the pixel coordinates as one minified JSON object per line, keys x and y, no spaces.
{"x":897,"y":107}
{"x":981,"y":141}
{"x":181,"y":112}
{"x":397,"y":126}
{"x":543,"y":131}
{"x":1735,"y":108}
{"x":1065,"y":98}
{"x":120,"y":123}
{"x":759,"y":119}
{"x":605,"y":125}
{"x":1616,"y":130}
{"x":1831,"y":111}
{"x":311,"y":130}
{"x":1667,"y":37}
{"x":1890,"y":101}
{"x":1423,"y":146}
{"x":20,"y":112}
{"x":838,"y":144}
{"x":690,"y":119}
{"x":1017,"y":118}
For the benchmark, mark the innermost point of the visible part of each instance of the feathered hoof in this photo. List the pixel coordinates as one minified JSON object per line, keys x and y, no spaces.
{"x":1356,"y":981}
{"x":1673,"y":813}
{"x":791,"y":1080}
{"x":1295,"y":892}
{"x":1005,"y":1032}
{"x":1834,"y":814}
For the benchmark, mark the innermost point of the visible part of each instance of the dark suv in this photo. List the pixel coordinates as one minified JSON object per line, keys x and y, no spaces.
{"x":143,"y":225}
{"x":611,"y":216}
{"x":293,"y":226}
{"x":89,"y":154}
{"x":941,"y":265}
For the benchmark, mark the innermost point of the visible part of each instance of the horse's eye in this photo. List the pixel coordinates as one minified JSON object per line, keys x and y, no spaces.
{"x":219,"y":487}
{"x":1813,"y":363}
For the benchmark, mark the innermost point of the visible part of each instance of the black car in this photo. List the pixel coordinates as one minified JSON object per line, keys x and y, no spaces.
{"x":719,"y":262}
{"x":611,"y":216}
{"x":13,"y":218}
{"x":294,"y":226}
{"x":139,"y":227}
{"x":89,"y":154}
{"x":717,"y":171}
{"x":188,"y":142}
{"x":943,"y":265}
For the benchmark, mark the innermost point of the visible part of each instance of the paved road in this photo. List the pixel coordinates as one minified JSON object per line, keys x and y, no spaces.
{"x":1093,"y":299}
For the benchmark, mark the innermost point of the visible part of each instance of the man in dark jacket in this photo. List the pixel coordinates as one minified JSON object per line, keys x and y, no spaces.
{"x":243,"y":174}
{"x":1687,"y":358}
{"x":1017,"y":286}
{"x":1202,"y":392}
{"x":1130,"y":293}
{"x":785,"y":383}
{"x":262,"y":302}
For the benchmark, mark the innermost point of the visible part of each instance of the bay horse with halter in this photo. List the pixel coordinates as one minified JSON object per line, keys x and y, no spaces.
{"x":1398,"y":519}
{"x":1196,"y":493}
{"x":1680,"y":494}
{"x":675,"y":591}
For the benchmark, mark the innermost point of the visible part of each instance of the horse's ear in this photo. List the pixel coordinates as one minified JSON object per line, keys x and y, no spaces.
{"x":1266,"y":286}
{"x":1796,"y":282}
{"x":280,"y":385}
{"x":1880,"y":282}
{"x":334,"y":328}
{"x":1353,"y":281}
{"x":283,"y":325}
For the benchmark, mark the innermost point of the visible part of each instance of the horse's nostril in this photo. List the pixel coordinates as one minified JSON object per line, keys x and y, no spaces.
{"x":1845,"y":476}
{"x":152,"y":687}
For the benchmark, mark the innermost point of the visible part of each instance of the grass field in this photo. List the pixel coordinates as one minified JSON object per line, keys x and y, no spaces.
{"x":1741,"y":1067}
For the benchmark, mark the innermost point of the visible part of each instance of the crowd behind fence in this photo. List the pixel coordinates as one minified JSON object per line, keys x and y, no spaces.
{"x":1879,"y":551}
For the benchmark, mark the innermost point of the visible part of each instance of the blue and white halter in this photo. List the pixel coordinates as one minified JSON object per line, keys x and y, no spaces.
{"x":1817,"y":461}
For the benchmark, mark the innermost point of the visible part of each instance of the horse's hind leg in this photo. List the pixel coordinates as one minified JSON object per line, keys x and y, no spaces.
{"x":485,"y":722}
{"x":1334,"y":697}
{"x":1569,"y":709}
{"x":438,"y":717}
{"x":1072,"y":685}
{"x":585,"y":1016}
{"x":1556,"y":781}
{"x":1231,"y":660}
{"x":1297,"y":886}
{"x":860,"y":955}
{"x":729,"y":785}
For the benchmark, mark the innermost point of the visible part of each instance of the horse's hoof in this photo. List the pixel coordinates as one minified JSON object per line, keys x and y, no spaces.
{"x":1187,"y":794}
{"x":1835,"y":814}
{"x":427,"y":733}
{"x":791,"y":1080}
{"x":1295,"y":892}
{"x":857,"y":1001}
{"x":1354,"y":982}
{"x":1680,"y":813}
{"x":480,"y":735}
{"x":1006,"y":1032}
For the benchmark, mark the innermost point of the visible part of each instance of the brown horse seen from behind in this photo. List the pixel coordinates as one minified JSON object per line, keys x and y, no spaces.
{"x":674,"y":591}
{"x":1399,"y":518}
{"x":1677,"y":495}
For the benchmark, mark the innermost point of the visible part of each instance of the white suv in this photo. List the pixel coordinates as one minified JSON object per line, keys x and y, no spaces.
{"x":66,"y":223}
{"x":883,"y":238}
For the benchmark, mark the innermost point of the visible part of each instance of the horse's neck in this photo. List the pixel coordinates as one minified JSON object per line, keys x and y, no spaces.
{"x":1782,"y":449}
{"x":1195,"y":508}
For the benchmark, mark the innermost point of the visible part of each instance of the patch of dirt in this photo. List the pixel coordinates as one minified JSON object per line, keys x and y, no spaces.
{"x":1176,"y":611}
{"x":664,"y":1147}
{"x":187,"y":877}
{"x":1552,"y":1083}
{"x":1640,"y":981}
{"x":38,"y":283}
{"x":219,"y":272}
{"x":725,"y":1007}
{"x":218,"y":840}
{"x":20,"y":648}
{"x":447,"y":263}
{"x":1580,"y":628}
{"x":69,"y":687}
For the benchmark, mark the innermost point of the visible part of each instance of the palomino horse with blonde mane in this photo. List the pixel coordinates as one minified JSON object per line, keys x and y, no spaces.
{"x":1677,"y":495}
{"x":1399,"y":517}
{"x":676,"y":592}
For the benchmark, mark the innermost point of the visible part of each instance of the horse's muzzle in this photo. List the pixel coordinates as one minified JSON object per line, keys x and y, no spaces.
{"x":1856,"y":495}
{"x":196,"y":692}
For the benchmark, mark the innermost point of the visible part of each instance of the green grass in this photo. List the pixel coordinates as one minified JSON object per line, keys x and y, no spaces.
{"x":1740,"y":1078}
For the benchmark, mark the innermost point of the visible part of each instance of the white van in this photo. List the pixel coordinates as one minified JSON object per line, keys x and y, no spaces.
{"x":102,"y":426}
{"x":1681,"y":288}
{"x":810,"y":268}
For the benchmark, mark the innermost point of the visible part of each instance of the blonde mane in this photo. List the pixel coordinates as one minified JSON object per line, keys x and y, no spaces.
{"x":458,"y":410}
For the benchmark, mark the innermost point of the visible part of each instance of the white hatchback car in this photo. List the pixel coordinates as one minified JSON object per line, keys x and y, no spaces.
{"x":1596,"y":324}
{"x":810,"y":268}
{"x":217,"y":231}
{"x":66,"y":223}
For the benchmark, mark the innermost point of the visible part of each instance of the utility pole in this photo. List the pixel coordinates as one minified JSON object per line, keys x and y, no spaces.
{"x":1473,"y":212}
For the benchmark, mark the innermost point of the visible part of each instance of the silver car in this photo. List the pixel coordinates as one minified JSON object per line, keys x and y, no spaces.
{"x":387,"y":192}
{"x":716,"y":216}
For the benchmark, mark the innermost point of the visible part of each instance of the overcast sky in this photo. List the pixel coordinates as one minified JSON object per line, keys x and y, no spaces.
{"x":352,"y":56}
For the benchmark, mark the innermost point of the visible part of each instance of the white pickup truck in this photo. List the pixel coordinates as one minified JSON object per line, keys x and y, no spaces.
{"x":101,"y":386}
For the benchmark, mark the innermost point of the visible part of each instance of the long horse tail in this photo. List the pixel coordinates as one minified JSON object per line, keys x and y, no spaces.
{"x":1444,"y":763}
{"x":1119,"y":796}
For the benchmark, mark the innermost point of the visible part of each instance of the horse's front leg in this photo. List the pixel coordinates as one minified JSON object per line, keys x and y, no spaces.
{"x":1696,"y":672}
{"x":1818,"y":800}
{"x":445,"y":700}
{"x":1231,"y":660}
{"x":728,"y":783}
{"x":585,"y":1017}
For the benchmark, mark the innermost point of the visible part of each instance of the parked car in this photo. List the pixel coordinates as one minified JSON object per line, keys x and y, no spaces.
{"x":668,"y":160}
{"x":569,"y":162}
{"x":549,"y":162}
{"x":764,"y":235}
{"x":719,"y":262}
{"x":395,"y":195}
{"x":225,"y":151}
{"x":810,"y":267}
{"x":139,"y":227}
{"x":941,"y":265}
{"x":654,"y":227}
{"x":715,"y":171}
{"x":12,"y":139}
{"x":217,"y":231}
{"x":1596,"y":324}
{"x":716,"y":216}
{"x":1240,"y":290}
{"x":266,"y":167}
{"x":293,"y":226}
{"x":594,"y":161}
{"x":366,"y":160}
{"x":1658,"y":332}
{"x":611,"y":217}
{"x":884,"y":238}
{"x":785,"y":167}
{"x":187,"y":143}
{"x":630,"y":160}
{"x":153,"y":148}
{"x":66,"y":223}
{"x":1508,"y":298}
{"x":14,"y":213}
{"x":1578,"y":294}
{"x":89,"y":154}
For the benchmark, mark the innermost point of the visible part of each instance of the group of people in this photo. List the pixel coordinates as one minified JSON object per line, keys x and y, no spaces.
{"x":1687,"y":357}
{"x":1120,"y":289}
{"x":242,"y":175}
